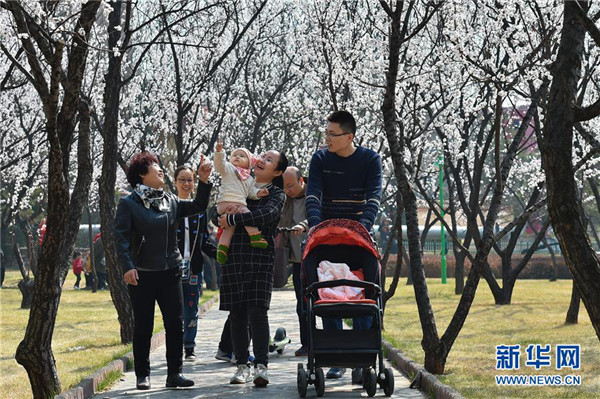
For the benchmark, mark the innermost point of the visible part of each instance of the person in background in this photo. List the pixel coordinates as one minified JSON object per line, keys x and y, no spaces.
{"x":192,"y":240}
{"x":87,"y":271}
{"x":211,"y":267}
{"x":294,"y":216}
{"x":42,"y":230}
{"x":100,"y":261}
{"x":77,"y":268}
{"x":2,"y":268}
{"x":344,"y":181}
{"x":146,"y":241}
{"x":385,"y":230}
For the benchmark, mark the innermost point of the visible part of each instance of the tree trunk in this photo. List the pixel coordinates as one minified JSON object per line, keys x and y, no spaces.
{"x":26,"y":284}
{"x":396,"y":235}
{"x":513,"y":274}
{"x":480,"y":262}
{"x":488,"y":275}
{"x":573,"y":312}
{"x":557,"y":161}
{"x":430,"y":341}
{"x":33,"y":250}
{"x":91,"y":244}
{"x":64,"y":214}
{"x":118,"y":288}
{"x":459,"y":272}
{"x":459,"y":256}
{"x":26,"y":288}
{"x":34,"y":353}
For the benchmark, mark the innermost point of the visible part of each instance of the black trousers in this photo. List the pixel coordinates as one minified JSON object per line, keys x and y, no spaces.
{"x":299,"y":305}
{"x":259,"y":324}
{"x":163,"y":287}
{"x":226,"y":343}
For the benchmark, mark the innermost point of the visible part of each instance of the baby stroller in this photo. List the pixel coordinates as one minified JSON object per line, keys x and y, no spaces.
{"x":343,"y":241}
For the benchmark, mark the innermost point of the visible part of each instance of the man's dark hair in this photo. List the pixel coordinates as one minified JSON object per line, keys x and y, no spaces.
{"x":344,"y":119}
{"x":138,"y":165}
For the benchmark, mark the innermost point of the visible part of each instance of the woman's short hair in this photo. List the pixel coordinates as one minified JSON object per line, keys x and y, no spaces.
{"x":282,"y":165}
{"x":183,"y":167}
{"x":138,"y":165}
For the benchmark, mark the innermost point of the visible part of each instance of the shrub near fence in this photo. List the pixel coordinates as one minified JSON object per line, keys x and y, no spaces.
{"x":539,"y":267}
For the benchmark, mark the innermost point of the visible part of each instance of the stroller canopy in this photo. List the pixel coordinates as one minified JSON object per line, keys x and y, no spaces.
{"x":340,"y":231}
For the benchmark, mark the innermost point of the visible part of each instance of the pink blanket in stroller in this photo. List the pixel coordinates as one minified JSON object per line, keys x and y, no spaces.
{"x":328,"y":271}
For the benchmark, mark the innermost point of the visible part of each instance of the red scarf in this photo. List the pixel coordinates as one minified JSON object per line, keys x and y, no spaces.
{"x":242,"y":173}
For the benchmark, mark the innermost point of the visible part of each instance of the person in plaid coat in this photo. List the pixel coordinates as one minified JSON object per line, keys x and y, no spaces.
{"x":247,"y":277}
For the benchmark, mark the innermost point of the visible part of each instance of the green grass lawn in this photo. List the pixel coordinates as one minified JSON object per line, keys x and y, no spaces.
{"x":86,"y":335}
{"x":536,"y":316}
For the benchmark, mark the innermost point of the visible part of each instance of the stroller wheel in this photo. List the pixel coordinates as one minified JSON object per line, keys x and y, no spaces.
{"x":302,"y":381}
{"x":370,"y":381}
{"x":365,"y":377}
{"x":388,"y":383}
{"x":319,"y":381}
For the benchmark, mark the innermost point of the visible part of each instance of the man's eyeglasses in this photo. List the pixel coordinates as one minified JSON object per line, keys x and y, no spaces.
{"x":331,"y":134}
{"x":183,"y":181}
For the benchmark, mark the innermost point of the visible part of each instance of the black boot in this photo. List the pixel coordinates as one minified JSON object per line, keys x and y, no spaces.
{"x":143,"y":383}
{"x":189,"y":354}
{"x":178,"y":380}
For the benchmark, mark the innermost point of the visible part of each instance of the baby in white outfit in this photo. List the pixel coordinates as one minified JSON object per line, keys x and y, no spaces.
{"x":236,"y":185}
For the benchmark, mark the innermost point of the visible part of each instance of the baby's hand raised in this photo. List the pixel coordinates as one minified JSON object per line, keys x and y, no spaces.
{"x":263,"y":192}
{"x":219,"y":146}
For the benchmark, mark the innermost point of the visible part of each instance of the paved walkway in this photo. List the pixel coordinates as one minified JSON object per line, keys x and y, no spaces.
{"x":212,"y":376}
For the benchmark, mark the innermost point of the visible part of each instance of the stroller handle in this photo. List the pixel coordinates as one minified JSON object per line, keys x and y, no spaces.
{"x":337,"y":283}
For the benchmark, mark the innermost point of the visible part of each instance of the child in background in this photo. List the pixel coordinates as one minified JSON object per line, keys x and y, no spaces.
{"x":87,"y":271}
{"x":77,"y":268}
{"x":236,"y":186}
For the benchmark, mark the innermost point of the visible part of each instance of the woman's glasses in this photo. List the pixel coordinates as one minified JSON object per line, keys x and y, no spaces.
{"x":183,"y":181}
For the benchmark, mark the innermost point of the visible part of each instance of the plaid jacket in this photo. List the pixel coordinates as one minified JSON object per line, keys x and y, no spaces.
{"x":247,"y":278}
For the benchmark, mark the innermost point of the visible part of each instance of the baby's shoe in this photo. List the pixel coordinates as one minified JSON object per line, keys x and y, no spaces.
{"x":258,"y":241}
{"x":222,"y":252}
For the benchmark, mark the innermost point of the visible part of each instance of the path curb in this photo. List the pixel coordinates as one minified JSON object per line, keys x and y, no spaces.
{"x":425,"y":381}
{"x":87,"y":387}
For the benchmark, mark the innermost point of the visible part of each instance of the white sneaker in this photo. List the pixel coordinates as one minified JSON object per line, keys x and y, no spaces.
{"x":261,"y":378}
{"x":242,"y":375}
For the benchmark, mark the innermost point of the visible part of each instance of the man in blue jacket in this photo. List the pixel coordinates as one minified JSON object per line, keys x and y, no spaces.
{"x":344,"y":181}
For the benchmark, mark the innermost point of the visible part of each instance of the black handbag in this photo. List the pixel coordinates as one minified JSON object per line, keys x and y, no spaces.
{"x":280,"y":269}
{"x":282,"y":262}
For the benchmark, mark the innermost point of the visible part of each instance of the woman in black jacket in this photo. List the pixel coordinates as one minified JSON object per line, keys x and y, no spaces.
{"x":192,"y":240}
{"x":145,"y":231}
{"x":247,"y":277}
